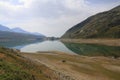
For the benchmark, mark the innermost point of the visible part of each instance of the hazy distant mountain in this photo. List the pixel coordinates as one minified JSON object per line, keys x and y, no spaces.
{"x":13,"y":36}
{"x":36,"y":33}
{"x":18,"y":34}
{"x":19,"y":30}
{"x":39,"y":34}
{"x":4,"y":28}
{"x":102,"y":25}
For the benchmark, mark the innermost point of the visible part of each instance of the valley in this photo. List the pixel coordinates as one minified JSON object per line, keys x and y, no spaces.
{"x":89,"y":50}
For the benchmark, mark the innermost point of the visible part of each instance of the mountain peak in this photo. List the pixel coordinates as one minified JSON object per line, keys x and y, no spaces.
{"x":19,"y":30}
{"x":4,"y":28}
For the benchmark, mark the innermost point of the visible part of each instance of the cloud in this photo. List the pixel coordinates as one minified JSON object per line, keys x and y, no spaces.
{"x":50,"y":17}
{"x":75,"y":5}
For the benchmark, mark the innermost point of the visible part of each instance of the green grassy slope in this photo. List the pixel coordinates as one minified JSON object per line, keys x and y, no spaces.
{"x":15,"y":67}
{"x":102,"y":25}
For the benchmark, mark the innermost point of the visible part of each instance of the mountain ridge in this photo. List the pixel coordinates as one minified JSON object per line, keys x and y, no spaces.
{"x":102,"y":25}
{"x":4,"y":28}
{"x":18,"y":34}
{"x":19,"y":30}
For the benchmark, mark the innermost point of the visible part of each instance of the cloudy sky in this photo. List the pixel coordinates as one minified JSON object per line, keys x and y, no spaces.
{"x":50,"y":17}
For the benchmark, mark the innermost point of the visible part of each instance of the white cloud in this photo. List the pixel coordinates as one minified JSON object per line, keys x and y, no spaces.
{"x":75,"y":4}
{"x":50,"y":17}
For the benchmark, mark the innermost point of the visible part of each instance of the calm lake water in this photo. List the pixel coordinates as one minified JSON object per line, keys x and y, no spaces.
{"x":73,"y":48}
{"x":45,"y":46}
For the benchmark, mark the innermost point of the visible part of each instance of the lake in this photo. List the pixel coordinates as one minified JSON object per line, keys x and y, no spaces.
{"x":44,"y":46}
{"x":72,"y":48}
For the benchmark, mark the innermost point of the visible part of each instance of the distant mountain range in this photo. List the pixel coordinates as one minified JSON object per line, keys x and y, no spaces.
{"x":4,"y":28}
{"x":18,"y":34}
{"x":18,"y":30}
{"x":101,"y":25}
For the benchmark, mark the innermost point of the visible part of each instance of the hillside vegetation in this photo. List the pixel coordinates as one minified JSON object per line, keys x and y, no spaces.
{"x":101,"y":25}
{"x":13,"y":66}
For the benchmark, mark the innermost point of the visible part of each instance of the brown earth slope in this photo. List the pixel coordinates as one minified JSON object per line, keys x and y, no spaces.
{"x":75,"y":67}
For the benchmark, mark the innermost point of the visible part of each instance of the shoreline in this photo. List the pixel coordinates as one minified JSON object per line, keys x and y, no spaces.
{"x":61,"y":66}
{"x":77,"y":67}
{"x":108,"y":42}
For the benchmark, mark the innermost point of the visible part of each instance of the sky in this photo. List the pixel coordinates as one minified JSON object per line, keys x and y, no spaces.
{"x":50,"y":17}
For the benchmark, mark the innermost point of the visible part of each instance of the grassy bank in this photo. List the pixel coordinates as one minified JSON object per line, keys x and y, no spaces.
{"x":13,"y":66}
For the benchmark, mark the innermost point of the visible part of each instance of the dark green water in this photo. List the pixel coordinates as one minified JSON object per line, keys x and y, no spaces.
{"x":73,"y":48}
{"x":94,"y":49}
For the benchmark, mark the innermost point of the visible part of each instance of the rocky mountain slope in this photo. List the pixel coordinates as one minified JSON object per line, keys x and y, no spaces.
{"x":101,"y":25}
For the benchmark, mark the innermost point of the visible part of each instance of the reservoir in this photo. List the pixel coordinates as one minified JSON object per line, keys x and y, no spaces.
{"x":71,"y":48}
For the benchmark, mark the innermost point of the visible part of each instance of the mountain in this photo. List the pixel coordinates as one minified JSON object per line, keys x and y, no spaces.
{"x":13,"y":36}
{"x":38,"y":34}
{"x":101,"y":25}
{"x":17,"y":34}
{"x":19,"y":30}
{"x":4,"y":28}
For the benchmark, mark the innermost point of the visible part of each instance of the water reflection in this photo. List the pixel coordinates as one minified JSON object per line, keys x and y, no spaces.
{"x":46,"y":46}
{"x":94,"y":49}
{"x":82,"y":49}
{"x":18,"y":44}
